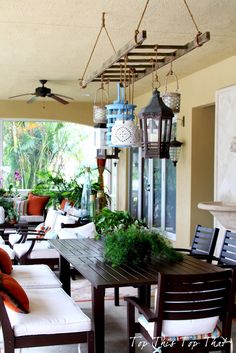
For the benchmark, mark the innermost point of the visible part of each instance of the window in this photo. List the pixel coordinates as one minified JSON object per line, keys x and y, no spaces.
{"x":153,"y":191}
{"x":32,"y":146}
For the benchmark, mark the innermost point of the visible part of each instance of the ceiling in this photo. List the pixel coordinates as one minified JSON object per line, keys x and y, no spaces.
{"x":53,"y":39}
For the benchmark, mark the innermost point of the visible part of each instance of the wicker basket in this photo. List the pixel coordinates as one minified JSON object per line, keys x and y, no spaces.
{"x":99,"y":110}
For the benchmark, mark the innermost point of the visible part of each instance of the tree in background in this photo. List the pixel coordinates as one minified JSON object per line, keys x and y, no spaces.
{"x":30,"y":147}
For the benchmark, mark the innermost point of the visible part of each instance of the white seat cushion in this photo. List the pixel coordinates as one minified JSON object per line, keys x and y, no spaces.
{"x":67,"y":233}
{"x":51,"y":218}
{"x":2,"y":241}
{"x":173,"y":328}
{"x":51,"y":311}
{"x":35,"y":219}
{"x":14,"y":238}
{"x":86,"y":231}
{"x":64,"y":219}
{"x":35,"y":276}
{"x":9,"y":250}
{"x":39,"y":251}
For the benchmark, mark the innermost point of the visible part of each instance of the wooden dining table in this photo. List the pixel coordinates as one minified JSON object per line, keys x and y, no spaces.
{"x":87,"y":256}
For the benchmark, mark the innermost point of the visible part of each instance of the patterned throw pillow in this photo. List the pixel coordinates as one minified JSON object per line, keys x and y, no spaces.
{"x":5,"y":262}
{"x":21,"y":207}
{"x":13,"y":295}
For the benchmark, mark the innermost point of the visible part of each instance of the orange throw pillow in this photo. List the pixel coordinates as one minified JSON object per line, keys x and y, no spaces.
{"x":5,"y":262}
{"x":36,"y":204}
{"x":13,"y":295}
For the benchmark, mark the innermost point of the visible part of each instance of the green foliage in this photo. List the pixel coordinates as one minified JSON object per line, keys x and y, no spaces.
{"x":33,"y":146}
{"x":108,"y":221}
{"x":58,"y":188}
{"x":11,"y":214}
{"x":55,"y":186}
{"x":134,"y":246}
{"x":10,"y":211}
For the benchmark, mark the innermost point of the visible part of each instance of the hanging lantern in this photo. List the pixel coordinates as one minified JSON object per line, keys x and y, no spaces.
{"x":175,"y":148}
{"x":100,"y":131}
{"x":155,"y":125}
{"x":172,"y":99}
{"x":125,"y":133}
{"x":99,"y":109}
{"x":122,"y":111}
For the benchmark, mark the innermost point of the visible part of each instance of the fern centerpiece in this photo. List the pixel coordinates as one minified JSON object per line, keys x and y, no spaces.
{"x":135,"y":246}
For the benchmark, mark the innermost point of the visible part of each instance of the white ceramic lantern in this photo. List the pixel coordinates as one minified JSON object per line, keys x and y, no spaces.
{"x":125,"y":134}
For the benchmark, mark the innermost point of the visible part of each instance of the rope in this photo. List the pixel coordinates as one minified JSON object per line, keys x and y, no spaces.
{"x":140,"y":21}
{"x":191,"y":15}
{"x":95,"y":44}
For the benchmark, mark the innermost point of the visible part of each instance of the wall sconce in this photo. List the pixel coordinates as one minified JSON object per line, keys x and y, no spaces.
{"x":175,"y":148}
{"x":155,"y":124}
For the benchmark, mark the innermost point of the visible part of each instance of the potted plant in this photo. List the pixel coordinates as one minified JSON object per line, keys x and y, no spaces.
{"x":11,"y":215}
{"x":134,"y":246}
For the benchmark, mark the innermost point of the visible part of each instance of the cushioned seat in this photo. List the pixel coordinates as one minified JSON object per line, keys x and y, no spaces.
{"x":41,"y":317}
{"x":40,"y":250}
{"x":186,"y":309}
{"x":35,"y":276}
{"x":31,"y":219}
{"x":52,"y":311}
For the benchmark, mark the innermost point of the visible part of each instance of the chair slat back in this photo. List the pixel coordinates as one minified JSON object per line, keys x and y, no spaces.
{"x":228,"y":251}
{"x":204,"y":241}
{"x":187,"y":297}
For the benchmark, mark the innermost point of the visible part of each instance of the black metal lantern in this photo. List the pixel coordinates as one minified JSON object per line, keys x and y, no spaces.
{"x":155,"y":125}
{"x":175,"y":147}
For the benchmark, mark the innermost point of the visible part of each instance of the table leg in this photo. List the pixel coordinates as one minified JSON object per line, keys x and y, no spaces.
{"x":64,"y":274}
{"x":144,"y":293}
{"x":98,"y":296}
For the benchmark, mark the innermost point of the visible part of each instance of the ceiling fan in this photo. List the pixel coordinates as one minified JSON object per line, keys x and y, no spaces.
{"x":43,"y":91}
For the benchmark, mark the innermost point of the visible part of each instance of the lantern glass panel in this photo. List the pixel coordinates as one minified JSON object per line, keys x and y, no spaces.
{"x":152,"y":130}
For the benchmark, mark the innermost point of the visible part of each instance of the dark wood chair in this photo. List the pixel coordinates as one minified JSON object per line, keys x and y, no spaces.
{"x":14,"y":337}
{"x":204,"y":243}
{"x":36,"y":253}
{"x":187,"y":308}
{"x":227,"y":257}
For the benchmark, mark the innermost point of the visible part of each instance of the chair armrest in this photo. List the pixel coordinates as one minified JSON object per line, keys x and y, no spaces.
{"x":149,"y":315}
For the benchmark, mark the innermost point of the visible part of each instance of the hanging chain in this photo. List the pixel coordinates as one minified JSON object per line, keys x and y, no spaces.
{"x":125,"y":76}
{"x":154,"y":70}
{"x":132,"y":86}
{"x":95,"y":44}
{"x":140,"y":21}
{"x":191,"y":15}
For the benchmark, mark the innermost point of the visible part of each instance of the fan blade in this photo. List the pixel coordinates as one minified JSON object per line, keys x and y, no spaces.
{"x":53,"y":96}
{"x":31,"y":100}
{"x":21,"y":95}
{"x":61,"y":95}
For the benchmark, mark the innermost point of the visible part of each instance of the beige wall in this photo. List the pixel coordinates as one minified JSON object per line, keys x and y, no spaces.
{"x":74,"y":112}
{"x":203,"y":133}
{"x":197,"y":90}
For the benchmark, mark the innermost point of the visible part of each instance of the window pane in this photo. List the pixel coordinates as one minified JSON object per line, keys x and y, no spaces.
{"x":170,"y":210}
{"x":134,"y":182}
{"x":146,"y":191}
{"x":157,"y":194}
